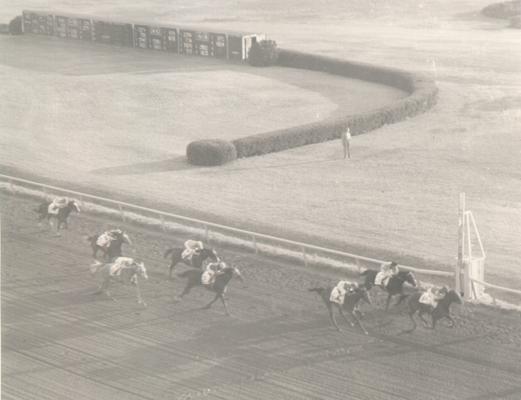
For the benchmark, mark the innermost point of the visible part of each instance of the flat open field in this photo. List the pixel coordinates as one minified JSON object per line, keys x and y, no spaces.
{"x":99,"y":106}
{"x":397,"y":196}
{"x":60,"y":342}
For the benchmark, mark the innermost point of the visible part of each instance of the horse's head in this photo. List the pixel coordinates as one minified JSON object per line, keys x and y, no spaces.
{"x":209,"y":253}
{"x":140,"y":270}
{"x":361,"y":291}
{"x":74,"y":206}
{"x":453,"y":296}
{"x":408,"y":276}
{"x":121,"y":235}
{"x":369,"y":276}
{"x":238,"y":274}
{"x":233,"y":271}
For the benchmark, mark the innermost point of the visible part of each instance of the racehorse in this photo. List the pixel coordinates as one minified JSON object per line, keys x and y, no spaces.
{"x":197,"y":259}
{"x":441,"y":311}
{"x":129,"y":275}
{"x":350,"y":302}
{"x":113,"y":250}
{"x":222,"y":278}
{"x":62,"y":216}
{"x":395,"y":285}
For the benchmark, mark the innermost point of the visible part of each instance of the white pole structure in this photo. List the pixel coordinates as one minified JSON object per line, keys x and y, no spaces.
{"x":461,"y":217}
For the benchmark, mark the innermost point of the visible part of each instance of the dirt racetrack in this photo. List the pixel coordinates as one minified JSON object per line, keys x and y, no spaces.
{"x":59,"y":341}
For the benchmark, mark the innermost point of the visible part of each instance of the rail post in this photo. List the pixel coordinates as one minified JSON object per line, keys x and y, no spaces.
{"x":121,"y":212}
{"x":459,"y":266}
{"x":162,"y":219}
{"x":304,"y":256}
{"x":11,"y":186}
{"x":254,"y":241}
{"x":206,"y":233}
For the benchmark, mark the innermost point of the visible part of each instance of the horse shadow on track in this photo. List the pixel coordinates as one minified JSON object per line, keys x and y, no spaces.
{"x":173,"y":164}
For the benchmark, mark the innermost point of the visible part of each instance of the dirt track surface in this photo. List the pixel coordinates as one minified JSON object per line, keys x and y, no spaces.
{"x":59,"y":341}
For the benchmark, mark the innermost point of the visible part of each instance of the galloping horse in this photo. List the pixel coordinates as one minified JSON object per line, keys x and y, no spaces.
{"x":197,"y":259}
{"x":395,"y":285}
{"x":114,"y":248}
{"x":222,"y":279}
{"x":129,"y":275}
{"x":62,"y":216}
{"x":441,"y":311}
{"x":350,"y":302}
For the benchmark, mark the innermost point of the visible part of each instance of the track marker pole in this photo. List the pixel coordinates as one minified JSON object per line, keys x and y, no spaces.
{"x":459,"y":266}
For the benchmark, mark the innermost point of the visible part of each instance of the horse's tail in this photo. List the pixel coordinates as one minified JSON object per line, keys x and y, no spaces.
{"x":168,"y":252}
{"x":90,"y":239}
{"x":42,"y":208}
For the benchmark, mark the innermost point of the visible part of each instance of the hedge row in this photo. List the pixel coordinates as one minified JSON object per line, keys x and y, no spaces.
{"x":505,"y":10}
{"x":423,"y":95}
{"x":210,"y":152}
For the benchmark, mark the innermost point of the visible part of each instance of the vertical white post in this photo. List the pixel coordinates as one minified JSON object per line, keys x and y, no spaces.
{"x":461,"y":232}
{"x":121,"y":212}
{"x":162,"y":218}
{"x":469,"y":265}
{"x":304,"y":256}
{"x":254,"y":241}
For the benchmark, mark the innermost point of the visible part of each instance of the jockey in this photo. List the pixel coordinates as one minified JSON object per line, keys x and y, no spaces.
{"x":432,"y":295}
{"x":107,"y":237}
{"x":57,"y":204}
{"x":212,"y":270}
{"x":340,"y":290}
{"x":387,"y":271}
{"x":191,"y":247}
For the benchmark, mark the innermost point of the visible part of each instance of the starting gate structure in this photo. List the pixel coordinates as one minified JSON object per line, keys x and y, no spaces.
{"x":470,"y":269}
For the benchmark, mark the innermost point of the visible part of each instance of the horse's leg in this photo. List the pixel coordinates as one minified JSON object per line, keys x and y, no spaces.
{"x":172,"y":266}
{"x":451,"y":320}
{"x":138,"y":292}
{"x":411,"y":316}
{"x":353,"y":313}
{"x":206,"y":307}
{"x":420,"y":314}
{"x":186,"y":290}
{"x":332,"y":317}
{"x":225,"y":306}
{"x":344,"y":316}
{"x":103,"y":288}
{"x":401,"y":298}
{"x":389,"y":296}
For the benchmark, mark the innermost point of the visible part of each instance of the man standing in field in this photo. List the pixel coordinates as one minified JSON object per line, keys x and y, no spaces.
{"x":346,"y":142}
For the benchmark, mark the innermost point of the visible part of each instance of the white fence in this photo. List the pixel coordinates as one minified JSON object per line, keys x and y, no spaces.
{"x":305,"y":250}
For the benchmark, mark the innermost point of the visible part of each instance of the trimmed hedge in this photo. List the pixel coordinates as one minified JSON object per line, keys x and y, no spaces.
{"x":15,"y":26}
{"x":210,"y":152}
{"x":263,"y":54}
{"x":423,"y":96}
{"x":515,"y":22}
{"x":505,"y":10}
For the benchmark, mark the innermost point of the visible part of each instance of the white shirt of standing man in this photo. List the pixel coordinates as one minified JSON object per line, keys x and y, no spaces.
{"x":346,"y":142}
